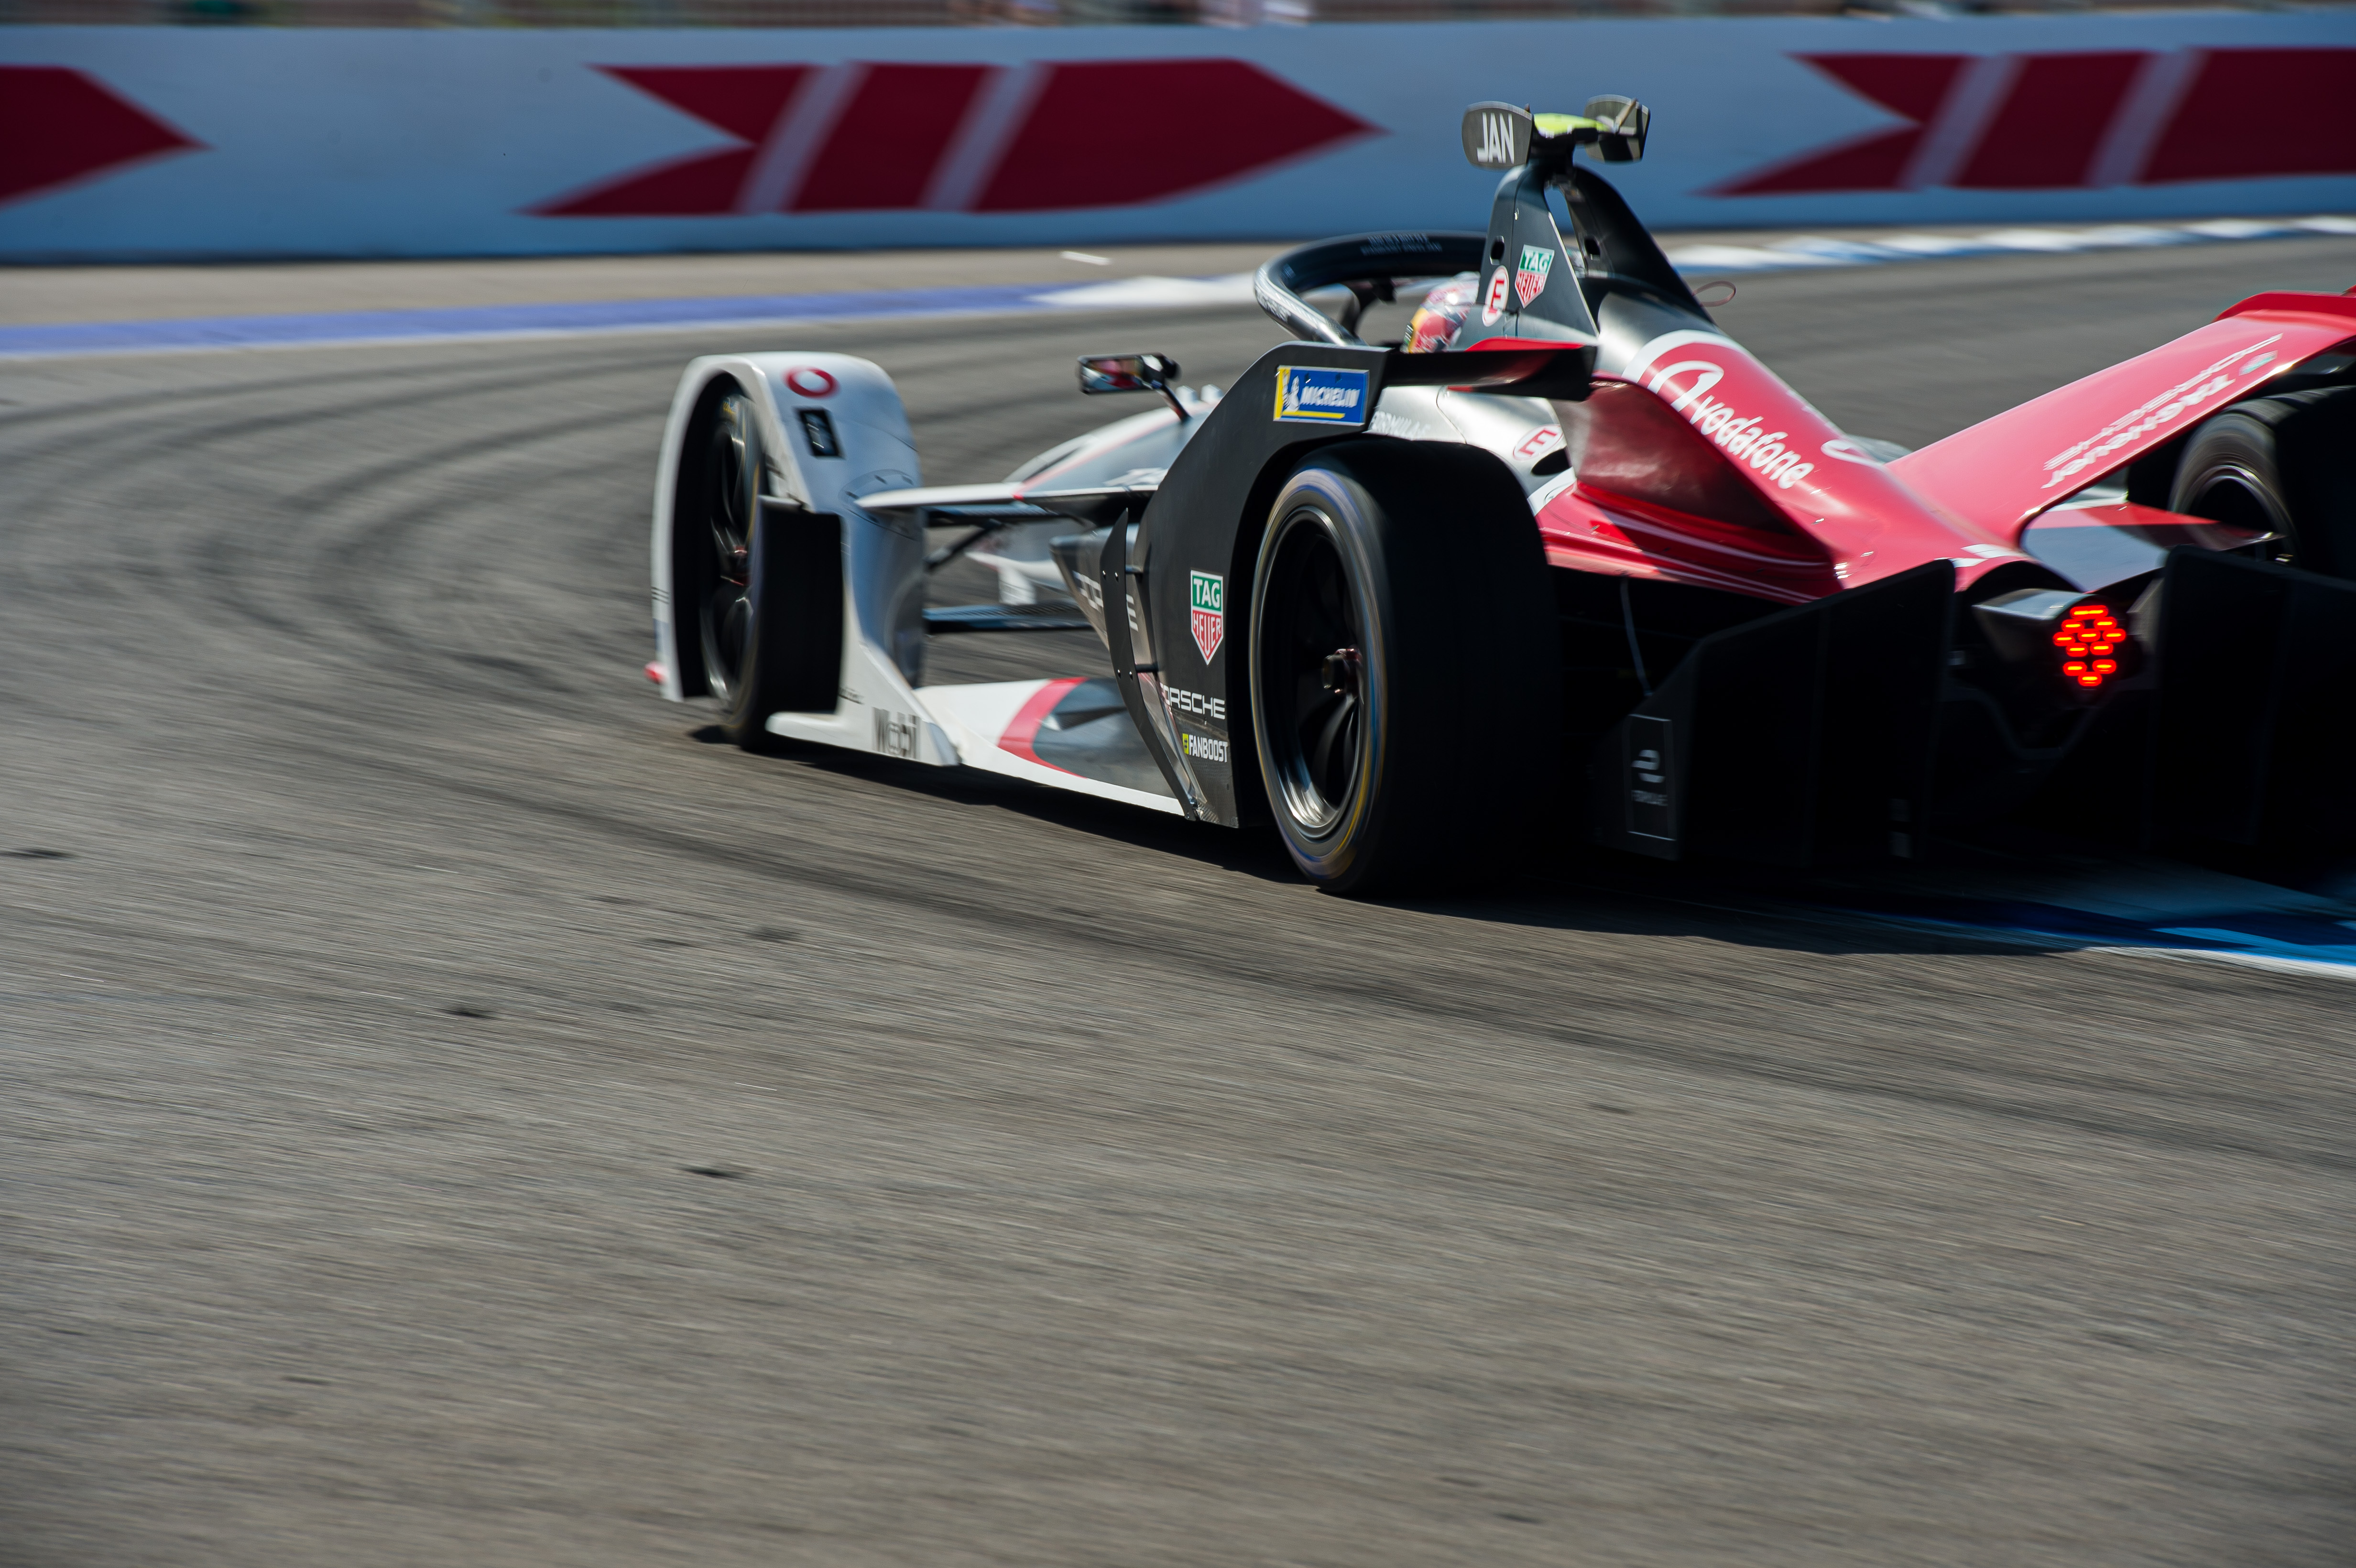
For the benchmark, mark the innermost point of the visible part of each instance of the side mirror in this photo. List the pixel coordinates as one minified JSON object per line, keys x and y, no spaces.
{"x":1102,"y":373}
{"x":1126,"y":373}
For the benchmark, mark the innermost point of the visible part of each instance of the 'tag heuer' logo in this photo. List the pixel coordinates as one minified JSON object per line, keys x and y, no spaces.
{"x":1206,"y":603}
{"x":1310,"y":394}
{"x":1531,"y":277}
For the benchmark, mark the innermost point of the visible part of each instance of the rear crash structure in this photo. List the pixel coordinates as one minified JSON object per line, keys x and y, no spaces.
{"x":1565,"y":559}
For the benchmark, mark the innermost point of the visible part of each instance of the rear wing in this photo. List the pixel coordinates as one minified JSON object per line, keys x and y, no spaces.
{"x":1503,"y":136}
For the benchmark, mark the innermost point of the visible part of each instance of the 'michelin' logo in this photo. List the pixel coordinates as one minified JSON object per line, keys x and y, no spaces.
{"x":1311,"y":394}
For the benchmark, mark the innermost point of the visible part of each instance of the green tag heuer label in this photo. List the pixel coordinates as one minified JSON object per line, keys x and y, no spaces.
{"x":1531,"y":277}
{"x":1206,"y":599}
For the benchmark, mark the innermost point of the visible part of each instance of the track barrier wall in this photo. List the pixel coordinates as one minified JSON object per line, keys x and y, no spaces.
{"x":132,"y":142}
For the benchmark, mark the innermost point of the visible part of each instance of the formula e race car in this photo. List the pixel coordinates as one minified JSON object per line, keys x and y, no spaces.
{"x":1566,"y":560}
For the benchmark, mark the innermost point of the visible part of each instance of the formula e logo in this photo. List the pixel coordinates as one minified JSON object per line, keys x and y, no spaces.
{"x":1492,"y":304}
{"x":1531,"y":277}
{"x":1206,"y":603}
{"x":895,"y":733}
{"x":1310,"y":394}
{"x":1652,"y":813}
{"x":1543,"y":440}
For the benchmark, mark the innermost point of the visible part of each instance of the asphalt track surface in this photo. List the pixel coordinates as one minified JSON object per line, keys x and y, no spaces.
{"x":455,"y":1113}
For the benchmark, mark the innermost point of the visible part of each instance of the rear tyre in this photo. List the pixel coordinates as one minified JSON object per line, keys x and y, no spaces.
{"x":1405,"y":668}
{"x":2285,"y":466}
{"x":768,"y":611}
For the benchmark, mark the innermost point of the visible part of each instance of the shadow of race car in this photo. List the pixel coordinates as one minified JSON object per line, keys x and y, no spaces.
{"x":1565,"y":561}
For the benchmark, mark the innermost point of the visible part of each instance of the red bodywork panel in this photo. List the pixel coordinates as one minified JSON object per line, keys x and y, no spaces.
{"x":1588,"y":530}
{"x":1024,"y":727}
{"x":2004,"y":471}
{"x":2170,"y":528}
{"x":1698,"y":464}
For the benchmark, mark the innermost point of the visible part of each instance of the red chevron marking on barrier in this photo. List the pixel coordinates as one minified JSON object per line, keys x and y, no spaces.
{"x":2046,"y":133}
{"x":1087,"y":143}
{"x":884,"y":147}
{"x":2261,"y":112}
{"x":2242,"y":115}
{"x":746,"y":100}
{"x":1081,"y":141}
{"x":57,"y":126}
{"x":1911,"y":86}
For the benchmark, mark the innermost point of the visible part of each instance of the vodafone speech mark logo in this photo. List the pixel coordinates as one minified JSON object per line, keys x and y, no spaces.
{"x":809,"y":381}
{"x":60,"y":126}
{"x":1686,"y":384}
{"x":2083,"y":119}
{"x":1042,"y":137}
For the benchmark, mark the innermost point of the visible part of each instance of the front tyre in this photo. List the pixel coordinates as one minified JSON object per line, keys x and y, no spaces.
{"x":1404,"y":667}
{"x":768,"y":590}
{"x":2283,"y":465}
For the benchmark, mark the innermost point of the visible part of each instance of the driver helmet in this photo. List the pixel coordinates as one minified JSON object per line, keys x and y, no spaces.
{"x":1443,"y":310}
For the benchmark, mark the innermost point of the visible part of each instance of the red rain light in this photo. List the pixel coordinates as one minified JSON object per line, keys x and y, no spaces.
{"x":2088,"y":639}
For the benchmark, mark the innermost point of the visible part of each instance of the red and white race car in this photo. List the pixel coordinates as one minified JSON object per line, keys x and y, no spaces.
{"x":1567,"y":558}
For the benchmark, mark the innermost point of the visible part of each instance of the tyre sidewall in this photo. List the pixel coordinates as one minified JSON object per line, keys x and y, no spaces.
{"x":793,"y":591}
{"x":2297,"y":450}
{"x":739,"y":697}
{"x":1460,"y":742}
{"x":2235,"y":446}
{"x":1328,"y":500}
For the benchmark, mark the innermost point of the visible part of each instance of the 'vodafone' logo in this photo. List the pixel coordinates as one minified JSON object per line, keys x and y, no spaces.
{"x":1687,"y":384}
{"x":809,"y":381}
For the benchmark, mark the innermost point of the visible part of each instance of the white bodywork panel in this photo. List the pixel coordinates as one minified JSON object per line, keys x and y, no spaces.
{"x":880,"y":707}
{"x":1019,"y":556}
{"x":976,"y":717}
{"x":883,"y":557}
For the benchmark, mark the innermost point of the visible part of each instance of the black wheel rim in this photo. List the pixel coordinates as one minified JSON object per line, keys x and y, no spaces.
{"x":725,"y":500}
{"x":2233,"y":496}
{"x":1313,"y":675}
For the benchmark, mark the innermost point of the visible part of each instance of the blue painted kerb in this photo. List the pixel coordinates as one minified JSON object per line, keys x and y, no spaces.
{"x":499,"y":320}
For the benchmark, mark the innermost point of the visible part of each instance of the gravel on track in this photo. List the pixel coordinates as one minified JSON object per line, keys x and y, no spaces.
{"x":455,"y":1113}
